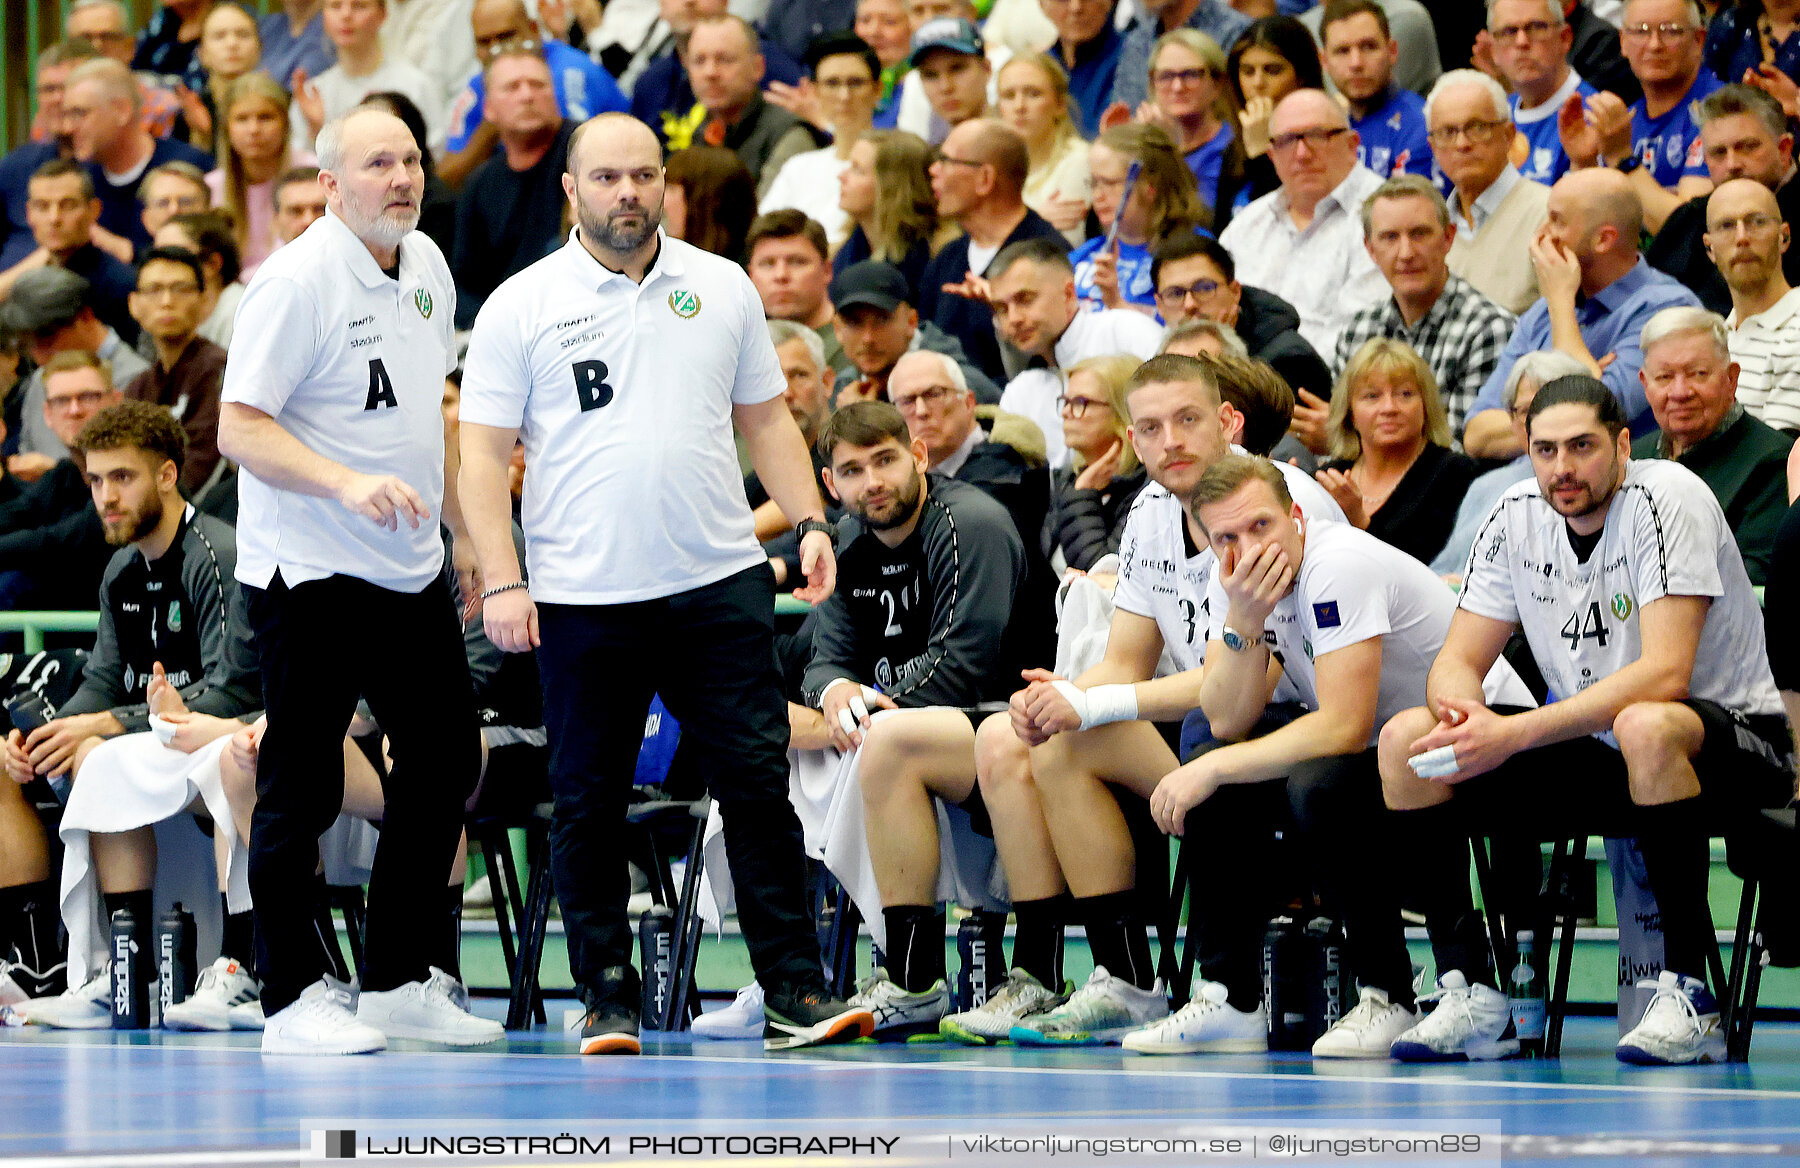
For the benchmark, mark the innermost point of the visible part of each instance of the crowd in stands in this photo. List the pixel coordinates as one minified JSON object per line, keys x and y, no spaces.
{"x":1003,"y":241}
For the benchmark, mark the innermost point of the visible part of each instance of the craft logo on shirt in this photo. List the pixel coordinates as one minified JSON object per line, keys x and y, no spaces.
{"x":684,"y":304}
{"x":174,"y":616}
{"x":422,"y":299}
{"x":1621,"y":606}
{"x":1325,"y":614}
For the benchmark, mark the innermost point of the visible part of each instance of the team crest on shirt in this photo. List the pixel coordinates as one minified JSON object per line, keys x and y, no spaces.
{"x":684,"y":304}
{"x":1622,"y":606}
{"x":174,"y":616}
{"x":422,"y":300}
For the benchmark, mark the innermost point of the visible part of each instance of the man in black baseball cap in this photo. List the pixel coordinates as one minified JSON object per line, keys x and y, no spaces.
{"x":877,"y":325}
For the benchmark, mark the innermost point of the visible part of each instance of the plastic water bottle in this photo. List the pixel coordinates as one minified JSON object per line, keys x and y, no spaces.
{"x":656,"y":941}
{"x":176,"y":961}
{"x":981,"y":964}
{"x":1287,"y":966}
{"x":130,"y":988}
{"x":1525,"y":994}
{"x":1333,"y":983}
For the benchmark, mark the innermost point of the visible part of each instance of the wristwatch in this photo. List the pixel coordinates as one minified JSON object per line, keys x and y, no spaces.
{"x":1628,"y":164}
{"x":1238,"y":642}
{"x":806,"y":527}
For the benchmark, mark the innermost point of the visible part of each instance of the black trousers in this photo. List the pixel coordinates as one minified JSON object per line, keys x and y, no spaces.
{"x":1331,"y":812}
{"x":710,"y":653}
{"x":322,"y":645}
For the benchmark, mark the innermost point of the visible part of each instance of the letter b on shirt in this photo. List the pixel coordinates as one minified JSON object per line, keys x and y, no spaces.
{"x":591,"y":389}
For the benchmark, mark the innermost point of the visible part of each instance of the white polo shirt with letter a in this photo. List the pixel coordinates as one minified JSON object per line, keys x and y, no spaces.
{"x":351,"y":362}
{"x":623,"y":395}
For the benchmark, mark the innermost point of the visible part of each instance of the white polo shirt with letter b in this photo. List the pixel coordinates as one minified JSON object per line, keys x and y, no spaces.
{"x":623,"y":395}
{"x":351,"y":362}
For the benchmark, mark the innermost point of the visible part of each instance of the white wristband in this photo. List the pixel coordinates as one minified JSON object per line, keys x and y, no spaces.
{"x":1100,"y":705}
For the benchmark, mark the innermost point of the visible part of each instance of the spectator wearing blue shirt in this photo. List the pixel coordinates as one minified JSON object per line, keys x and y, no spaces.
{"x":1187,"y":83}
{"x":1087,"y":47}
{"x":1214,"y":18}
{"x":1531,"y":42}
{"x":1737,"y":49}
{"x":1658,"y":144}
{"x":1360,"y":55}
{"x":1597,"y":295}
{"x":294,"y":38}
{"x":583,"y":88}
{"x":1115,"y":270}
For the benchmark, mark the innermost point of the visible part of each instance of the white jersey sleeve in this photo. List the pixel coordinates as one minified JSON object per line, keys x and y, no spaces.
{"x":1674,"y":546}
{"x":759,"y":376}
{"x":1488,"y":585}
{"x":277,"y":320}
{"x":496,"y":371}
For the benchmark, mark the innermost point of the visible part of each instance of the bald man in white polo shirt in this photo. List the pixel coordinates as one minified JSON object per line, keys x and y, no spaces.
{"x":624,"y":360}
{"x":331,"y":409}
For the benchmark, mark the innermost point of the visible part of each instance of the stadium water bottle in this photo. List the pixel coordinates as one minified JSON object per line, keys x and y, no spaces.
{"x":1286,"y":964}
{"x":176,"y":962}
{"x":1525,"y":995}
{"x":981,"y":965}
{"x":1333,"y":985}
{"x":656,"y":940}
{"x":130,"y":989}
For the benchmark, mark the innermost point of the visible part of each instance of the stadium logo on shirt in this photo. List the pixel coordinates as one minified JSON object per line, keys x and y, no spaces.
{"x":1325,"y":614}
{"x":1621,"y":606}
{"x":684,"y":304}
{"x":422,"y":300}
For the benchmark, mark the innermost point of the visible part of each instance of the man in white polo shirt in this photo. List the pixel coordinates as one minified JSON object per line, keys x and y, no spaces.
{"x":624,"y":360}
{"x":331,"y":409}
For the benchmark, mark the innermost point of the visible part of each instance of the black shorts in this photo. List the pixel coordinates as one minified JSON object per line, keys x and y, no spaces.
{"x":1746,"y":760}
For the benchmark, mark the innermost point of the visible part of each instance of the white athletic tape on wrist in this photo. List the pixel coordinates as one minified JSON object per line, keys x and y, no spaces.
{"x":1434,"y":764}
{"x":1100,"y":705}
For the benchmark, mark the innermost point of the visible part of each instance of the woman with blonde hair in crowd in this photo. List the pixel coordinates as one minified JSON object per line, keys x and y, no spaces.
{"x":1090,"y":497}
{"x":1113,"y":270}
{"x":887,"y":27}
{"x":253,"y":151}
{"x":886,"y":191}
{"x":1393,"y":469}
{"x":1187,"y":99}
{"x":230,"y":48}
{"x":1034,"y":102}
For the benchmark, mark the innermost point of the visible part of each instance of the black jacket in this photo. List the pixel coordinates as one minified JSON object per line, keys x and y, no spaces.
{"x":1270,"y":329}
{"x":1086,"y":524}
{"x":57,"y":539}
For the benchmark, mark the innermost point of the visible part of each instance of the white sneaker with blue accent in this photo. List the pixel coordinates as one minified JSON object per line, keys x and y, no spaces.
{"x":1101,"y":1012}
{"x":84,"y":1007}
{"x":1470,"y":1023}
{"x":1680,"y":1025}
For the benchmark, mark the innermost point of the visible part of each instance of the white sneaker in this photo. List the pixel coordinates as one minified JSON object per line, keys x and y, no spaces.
{"x":1021,"y":997}
{"x":1470,"y":1023}
{"x":1369,"y":1030}
{"x":221,"y":986}
{"x":1208,"y":1023}
{"x":479,"y":895}
{"x":248,"y":1016}
{"x":434,"y":1011}
{"x":88,"y":1007}
{"x":899,"y":1013}
{"x":1680,"y":1025}
{"x":742,"y":1019}
{"x":321,"y":1021}
{"x":1103,"y":1011}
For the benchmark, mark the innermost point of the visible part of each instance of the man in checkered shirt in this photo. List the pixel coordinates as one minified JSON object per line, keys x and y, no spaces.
{"x":1459,"y":332}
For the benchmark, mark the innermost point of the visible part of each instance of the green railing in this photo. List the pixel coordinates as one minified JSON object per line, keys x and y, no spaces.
{"x":35,"y":624}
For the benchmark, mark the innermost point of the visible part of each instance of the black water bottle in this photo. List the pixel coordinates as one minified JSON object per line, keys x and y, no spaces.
{"x":656,"y":941}
{"x":176,"y":958}
{"x":130,"y":989}
{"x":1287,"y":962}
{"x":981,"y":963}
{"x":1333,"y":984}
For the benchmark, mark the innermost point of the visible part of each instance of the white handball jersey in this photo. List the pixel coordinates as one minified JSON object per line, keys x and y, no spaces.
{"x":1664,"y":536}
{"x":351,"y":362}
{"x":623,"y":395}
{"x":1351,"y":588}
{"x":1164,"y":575}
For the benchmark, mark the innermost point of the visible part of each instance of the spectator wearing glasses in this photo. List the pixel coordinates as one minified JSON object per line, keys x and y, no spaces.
{"x":1748,"y":239}
{"x":1090,"y":497}
{"x":1494,"y":209}
{"x":1302,"y":241}
{"x":1656,"y":142}
{"x":106,"y":26}
{"x":1530,"y":48}
{"x":1216,"y":20}
{"x":846,"y":81}
{"x":189,"y":369}
{"x":1187,"y":75}
{"x":1113,"y":270}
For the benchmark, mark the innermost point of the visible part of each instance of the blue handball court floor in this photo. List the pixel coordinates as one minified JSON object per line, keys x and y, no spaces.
{"x":178,"y":1100}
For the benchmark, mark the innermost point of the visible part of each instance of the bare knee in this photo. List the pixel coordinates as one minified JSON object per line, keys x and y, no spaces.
{"x":1400,"y":787}
{"x":238,"y":783}
{"x":1001,"y":759}
{"x":1657,"y":741}
{"x":882,"y":767}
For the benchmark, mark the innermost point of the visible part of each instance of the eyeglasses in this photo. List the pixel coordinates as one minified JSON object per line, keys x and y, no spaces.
{"x":1076,"y":407}
{"x":1314,"y":139}
{"x":960,"y":161}
{"x":1174,"y":294}
{"x":1668,"y":31}
{"x":931,"y":395}
{"x":65,"y":402}
{"x":158,"y":291}
{"x":1755,"y":223}
{"x":1535,"y":30}
{"x":1479,"y":133}
{"x":1164,"y":78}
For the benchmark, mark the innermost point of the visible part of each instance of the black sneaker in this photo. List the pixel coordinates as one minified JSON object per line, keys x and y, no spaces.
{"x":611,"y":1024}
{"x":811,"y":1017}
{"x":19,"y":984}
